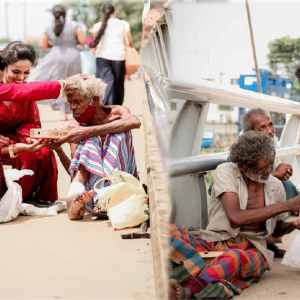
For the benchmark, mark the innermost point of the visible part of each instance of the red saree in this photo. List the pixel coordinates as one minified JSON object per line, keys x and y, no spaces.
{"x":15,"y":123}
{"x":3,"y":187}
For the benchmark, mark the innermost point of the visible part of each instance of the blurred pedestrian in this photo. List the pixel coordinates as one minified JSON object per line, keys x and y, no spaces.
{"x":110,"y":53}
{"x":63,"y":60}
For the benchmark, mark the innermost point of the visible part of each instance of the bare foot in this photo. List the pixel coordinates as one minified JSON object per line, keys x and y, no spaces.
{"x":76,"y":205}
{"x":177,"y":292}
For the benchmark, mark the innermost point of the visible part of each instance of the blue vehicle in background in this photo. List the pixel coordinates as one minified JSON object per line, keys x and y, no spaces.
{"x":208,"y":138}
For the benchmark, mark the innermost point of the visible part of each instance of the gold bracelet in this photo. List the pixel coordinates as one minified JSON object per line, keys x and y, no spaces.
{"x":11,"y":151}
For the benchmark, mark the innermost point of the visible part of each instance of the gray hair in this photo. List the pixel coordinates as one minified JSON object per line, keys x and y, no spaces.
{"x":245,"y":118}
{"x":88,"y":88}
{"x":252,"y":147}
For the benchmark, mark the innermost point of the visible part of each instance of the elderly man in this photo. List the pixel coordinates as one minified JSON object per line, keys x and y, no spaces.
{"x":247,"y":205}
{"x":258,"y":119}
{"x":101,"y":149}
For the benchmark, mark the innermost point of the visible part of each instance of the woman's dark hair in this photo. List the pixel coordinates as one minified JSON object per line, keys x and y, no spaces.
{"x":59,"y":13}
{"x":16,"y":51}
{"x":107,"y":10}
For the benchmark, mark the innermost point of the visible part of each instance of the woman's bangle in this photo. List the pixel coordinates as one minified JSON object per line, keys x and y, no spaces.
{"x":63,"y":84}
{"x":11,"y":151}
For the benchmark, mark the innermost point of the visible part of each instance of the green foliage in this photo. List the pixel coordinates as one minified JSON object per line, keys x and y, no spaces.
{"x":209,"y":177}
{"x":89,"y":13}
{"x":5,"y":40}
{"x":284,"y":55}
{"x":225,"y":107}
{"x":36,"y":47}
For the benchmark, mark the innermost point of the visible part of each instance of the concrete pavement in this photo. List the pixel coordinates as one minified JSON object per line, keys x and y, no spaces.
{"x":54,"y":258}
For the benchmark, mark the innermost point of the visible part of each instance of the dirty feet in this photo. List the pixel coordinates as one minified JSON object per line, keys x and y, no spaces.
{"x":177,"y":292}
{"x":279,"y":253}
{"x":76,"y":205}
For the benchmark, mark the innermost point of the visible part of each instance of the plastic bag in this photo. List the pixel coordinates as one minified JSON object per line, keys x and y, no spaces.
{"x":12,"y":199}
{"x":125,"y":200}
{"x":31,"y":210}
{"x":87,"y":62}
{"x":292,"y":256}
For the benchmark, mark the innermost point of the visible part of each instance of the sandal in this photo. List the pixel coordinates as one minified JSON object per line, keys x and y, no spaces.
{"x":278,"y":253}
{"x":37,"y":202}
{"x":100,"y":214}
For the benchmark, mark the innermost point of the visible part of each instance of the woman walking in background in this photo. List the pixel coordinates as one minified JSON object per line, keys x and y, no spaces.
{"x":63,"y":60}
{"x":110,"y":54}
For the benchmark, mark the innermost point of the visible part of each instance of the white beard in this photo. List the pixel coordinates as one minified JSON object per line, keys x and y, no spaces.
{"x":255,"y":177}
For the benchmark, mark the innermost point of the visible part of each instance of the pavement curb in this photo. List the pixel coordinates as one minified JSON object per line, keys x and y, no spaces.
{"x":159,"y":202}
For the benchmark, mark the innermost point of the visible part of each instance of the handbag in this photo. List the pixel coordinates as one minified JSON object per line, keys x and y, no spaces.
{"x":87,"y":61}
{"x":132,"y":60}
{"x":125,"y":200}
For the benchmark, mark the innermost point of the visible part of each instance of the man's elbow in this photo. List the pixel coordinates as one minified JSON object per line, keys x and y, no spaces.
{"x":234,"y":222}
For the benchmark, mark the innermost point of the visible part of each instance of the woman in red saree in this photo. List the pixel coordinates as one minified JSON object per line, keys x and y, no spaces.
{"x":16,"y":120}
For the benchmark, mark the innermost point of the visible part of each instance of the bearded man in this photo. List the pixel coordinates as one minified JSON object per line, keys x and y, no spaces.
{"x":105,"y":144}
{"x":247,"y":205}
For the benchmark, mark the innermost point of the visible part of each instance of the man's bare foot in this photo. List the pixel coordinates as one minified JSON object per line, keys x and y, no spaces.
{"x":76,"y":205}
{"x":177,"y":292}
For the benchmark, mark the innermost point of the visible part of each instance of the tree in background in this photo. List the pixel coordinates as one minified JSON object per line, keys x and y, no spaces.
{"x":284,"y":55}
{"x":5,"y":40}
{"x":89,"y":13}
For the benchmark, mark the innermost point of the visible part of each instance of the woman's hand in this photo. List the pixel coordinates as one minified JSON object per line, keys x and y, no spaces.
{"x":31,"y":140}
{"x":34,"y":147}
{"x":4,"y":141}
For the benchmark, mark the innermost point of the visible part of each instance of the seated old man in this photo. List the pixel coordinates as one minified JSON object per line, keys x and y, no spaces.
{"x":97,"y":156}
{"x":258,"y":119}
{"x":247,"y":205}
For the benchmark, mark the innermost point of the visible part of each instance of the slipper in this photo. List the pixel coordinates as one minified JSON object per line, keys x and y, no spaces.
{"x":278,"y":253}
{"x":37,"y":202}
{"x":100,"y":214}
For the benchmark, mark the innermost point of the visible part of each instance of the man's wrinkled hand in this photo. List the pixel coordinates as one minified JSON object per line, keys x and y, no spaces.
{"x":75,"y":135}
{"x":296,"y":223}
{"x":52,"y":145}
{"x":293,"y":204}
{"x":283,"y":171}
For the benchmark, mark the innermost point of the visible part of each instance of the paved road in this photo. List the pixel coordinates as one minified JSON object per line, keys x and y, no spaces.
{"x":54,"y":258}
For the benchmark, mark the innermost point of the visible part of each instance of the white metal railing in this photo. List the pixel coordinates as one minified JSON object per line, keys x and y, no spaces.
{"x":186,"y":165}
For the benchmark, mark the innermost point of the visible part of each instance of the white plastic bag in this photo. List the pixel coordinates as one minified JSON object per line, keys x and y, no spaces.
{"x":12,"y":199}
{"x":292,"y":256}
{"x":31,"y":210}
{"x":125,"y":200}
{"x":129,"y":213}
